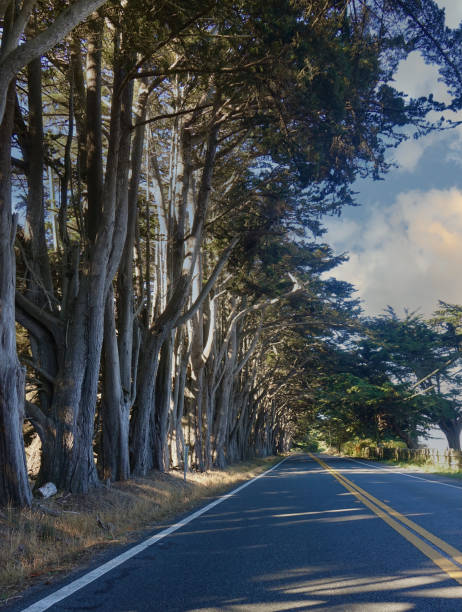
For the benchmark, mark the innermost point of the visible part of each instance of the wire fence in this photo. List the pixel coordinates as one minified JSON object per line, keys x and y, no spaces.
{"x":424,"y":456}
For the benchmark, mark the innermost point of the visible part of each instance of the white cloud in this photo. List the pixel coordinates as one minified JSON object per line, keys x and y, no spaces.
{"x":407,"y":255}
{"x":453,"y":9}
{"x":416,"y":78}
{"x":410,"y":152}
{"x":454,"y":150}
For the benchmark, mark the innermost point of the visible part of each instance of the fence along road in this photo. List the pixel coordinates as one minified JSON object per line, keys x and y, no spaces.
{"x":445,"y":458}
{"x":316,"y":533}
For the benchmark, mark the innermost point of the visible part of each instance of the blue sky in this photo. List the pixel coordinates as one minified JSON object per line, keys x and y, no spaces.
{"x":404,"y":241}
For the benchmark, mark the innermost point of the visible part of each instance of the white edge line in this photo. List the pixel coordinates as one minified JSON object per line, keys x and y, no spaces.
{"x":388,"y":469}
{"x":80,"y":583}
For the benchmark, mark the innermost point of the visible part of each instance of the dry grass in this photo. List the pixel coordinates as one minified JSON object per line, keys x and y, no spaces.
{"x":36,"y":546}
{"x":428,"y":468}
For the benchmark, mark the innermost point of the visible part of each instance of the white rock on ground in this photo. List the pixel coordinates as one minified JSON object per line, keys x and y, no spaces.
{"x":47,"y":490}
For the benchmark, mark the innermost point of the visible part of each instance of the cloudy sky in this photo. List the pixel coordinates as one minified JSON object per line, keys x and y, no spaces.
{"x":405,"y":240}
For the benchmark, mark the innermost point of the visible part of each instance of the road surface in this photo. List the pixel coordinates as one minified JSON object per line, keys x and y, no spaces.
{"x":315,"y":533}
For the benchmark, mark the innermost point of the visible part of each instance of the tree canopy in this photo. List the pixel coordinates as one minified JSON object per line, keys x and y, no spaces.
{"x":164,"y":171}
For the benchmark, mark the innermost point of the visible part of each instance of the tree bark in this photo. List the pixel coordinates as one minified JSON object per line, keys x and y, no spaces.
{"x":224,"y":401}
{"x":452,"y":429}
{"x":14,"y":485}
{"x":79,"y":345}
{"x":162,"y":401}
{"x":94,"y":140}
{"x":122,"y":348}
{"x":115,"y":410}
{"x":141,"y":457}
{"x":39,"y":280}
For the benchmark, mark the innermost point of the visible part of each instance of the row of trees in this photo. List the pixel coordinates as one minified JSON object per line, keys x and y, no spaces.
{"x":395,"y":380}
{"x":163,"y":172}
{"x":398,"y":378}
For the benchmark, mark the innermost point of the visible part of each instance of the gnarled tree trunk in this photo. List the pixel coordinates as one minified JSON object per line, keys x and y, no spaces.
{"x":14,"y":486}
{"x":452,"y":429}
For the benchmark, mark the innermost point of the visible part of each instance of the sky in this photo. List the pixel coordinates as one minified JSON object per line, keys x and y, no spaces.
{"x":405,"y":239}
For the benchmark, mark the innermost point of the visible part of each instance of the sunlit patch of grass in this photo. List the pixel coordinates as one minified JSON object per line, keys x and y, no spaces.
{"x":416,"y":466}
{"x":427,"y":468}
{"x":35,"y":545}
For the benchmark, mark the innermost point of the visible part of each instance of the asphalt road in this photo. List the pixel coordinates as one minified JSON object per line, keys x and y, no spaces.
{"x":300,"y":538}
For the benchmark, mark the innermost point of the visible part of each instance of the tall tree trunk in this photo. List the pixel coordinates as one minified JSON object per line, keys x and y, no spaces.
{"x":76,"y":384}
{"x":122,"y":348}
{"x":39,"y":281}
{"x":115,"y":406}
{"x":14,"y":485}
{"x":196,"y":341}
{"x":177,"y":425}
{"x":452,"y":429}
{"x":162,"y":399}
{"x":94,"y":150}
{"x":141,"y":457}
{"x":224,"y":402}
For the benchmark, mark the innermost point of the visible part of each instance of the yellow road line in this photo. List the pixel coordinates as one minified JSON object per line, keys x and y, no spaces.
{"x":447,"y":548}
{"x":386,"y":513}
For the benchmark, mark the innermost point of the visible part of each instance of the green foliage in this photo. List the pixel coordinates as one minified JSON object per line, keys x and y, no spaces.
{"x":307,"y":443}
{"x":298,"y":95}
{"x":354,"y":446}
{"x":392,"y":379}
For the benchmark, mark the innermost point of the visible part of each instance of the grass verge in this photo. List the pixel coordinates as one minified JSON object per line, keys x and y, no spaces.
{"x":427,"y":468}
{"x":54,"y":536}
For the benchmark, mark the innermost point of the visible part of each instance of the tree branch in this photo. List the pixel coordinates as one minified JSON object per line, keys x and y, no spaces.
{"x":19,"y":26}
{"x":170,"y":115}
{"x":38,"y":418}
{"x":46,"y":375}
{"x":41,"y":317}
{"x":12,"y":61}
{"x":209,"y":284}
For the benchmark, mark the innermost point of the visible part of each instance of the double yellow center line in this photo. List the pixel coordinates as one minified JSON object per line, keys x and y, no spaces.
{"x":448,"y":558}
